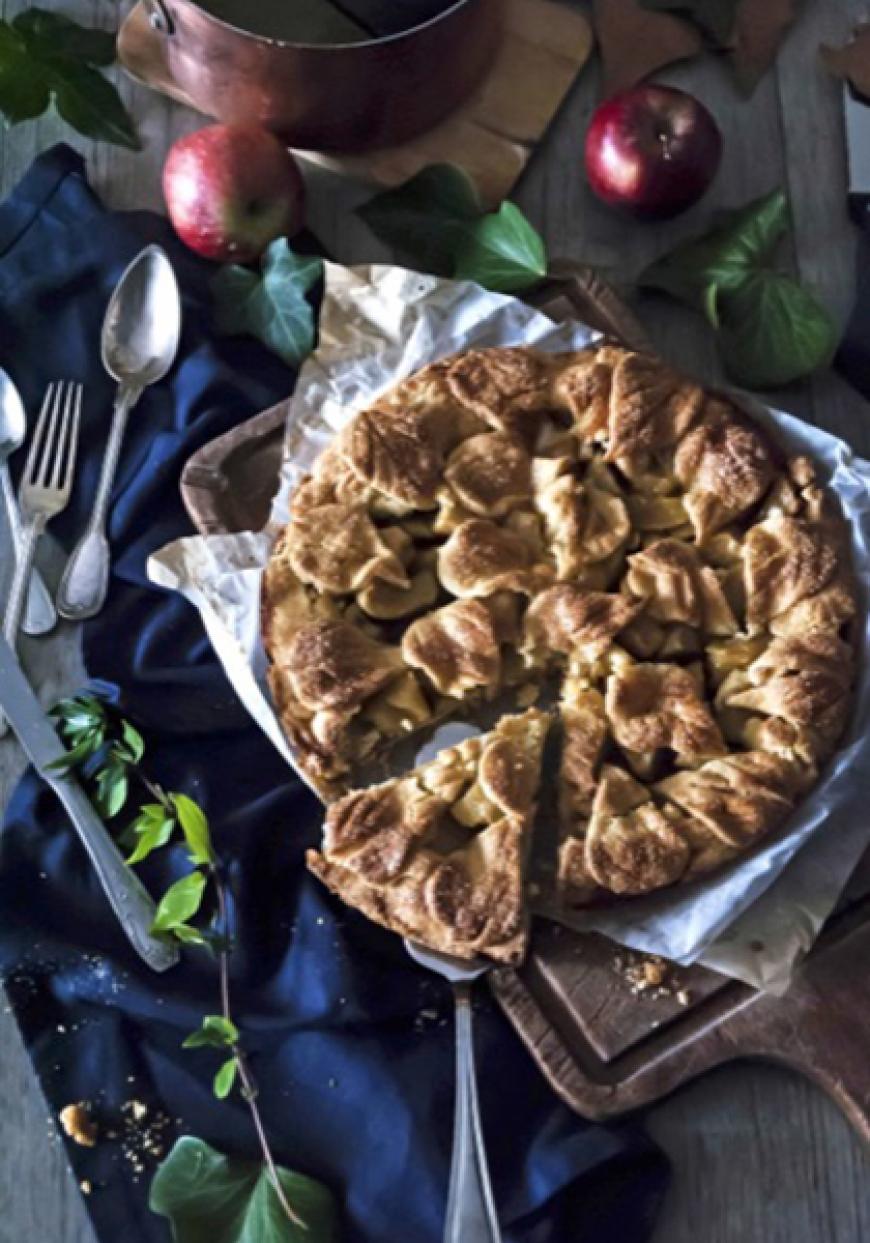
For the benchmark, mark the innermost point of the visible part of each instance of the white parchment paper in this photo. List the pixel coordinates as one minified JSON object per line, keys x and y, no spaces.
{"x":379,"y":324}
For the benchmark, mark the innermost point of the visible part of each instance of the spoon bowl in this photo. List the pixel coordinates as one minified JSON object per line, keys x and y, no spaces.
{"x":13,"y":421}
{"x":142,"y":323}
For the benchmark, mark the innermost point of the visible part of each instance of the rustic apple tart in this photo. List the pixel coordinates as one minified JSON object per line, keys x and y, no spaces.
{"x":506,"y":516}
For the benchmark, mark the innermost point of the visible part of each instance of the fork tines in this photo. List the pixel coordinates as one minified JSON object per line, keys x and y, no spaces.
{"x":52,"y":455}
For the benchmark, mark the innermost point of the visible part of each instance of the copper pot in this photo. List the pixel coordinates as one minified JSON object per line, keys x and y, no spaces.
{"x":330,"y":97}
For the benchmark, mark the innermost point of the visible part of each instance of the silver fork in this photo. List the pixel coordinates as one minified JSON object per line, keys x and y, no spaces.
{"x":45,"y":489}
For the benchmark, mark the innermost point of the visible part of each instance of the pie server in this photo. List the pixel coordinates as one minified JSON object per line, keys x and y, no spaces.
{"x":127,"y":896}
{"x":471,"y":1215}
{"x":853,"y":356}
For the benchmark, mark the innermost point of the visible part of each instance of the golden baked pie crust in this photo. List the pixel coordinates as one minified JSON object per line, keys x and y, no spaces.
{"x":508,"y":513}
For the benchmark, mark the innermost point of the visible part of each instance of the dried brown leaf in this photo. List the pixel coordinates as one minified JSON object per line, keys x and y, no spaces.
{"x":852,"y":62}
{"x":635,"y":42}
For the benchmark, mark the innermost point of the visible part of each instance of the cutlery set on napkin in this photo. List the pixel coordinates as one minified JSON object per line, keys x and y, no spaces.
{"x":140,"y":338}
{"x":139,"y":343}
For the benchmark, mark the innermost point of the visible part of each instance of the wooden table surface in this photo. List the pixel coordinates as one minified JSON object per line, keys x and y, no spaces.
{"x":759,"y":1156}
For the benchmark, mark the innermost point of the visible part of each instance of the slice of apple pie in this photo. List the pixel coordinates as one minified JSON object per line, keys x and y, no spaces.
{"x":439,"y":855}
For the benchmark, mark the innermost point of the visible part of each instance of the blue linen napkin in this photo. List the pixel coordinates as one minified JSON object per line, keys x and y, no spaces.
{"x":352,"y":1044}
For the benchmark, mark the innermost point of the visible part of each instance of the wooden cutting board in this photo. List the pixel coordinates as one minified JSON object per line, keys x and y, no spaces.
{"x":605,"y":1046}
{"x":495,"y":132}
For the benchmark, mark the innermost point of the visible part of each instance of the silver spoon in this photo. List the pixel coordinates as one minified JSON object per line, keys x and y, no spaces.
{"x":139,"y":343}
{"x":39,"y":614}
{"x":471,"y":1215}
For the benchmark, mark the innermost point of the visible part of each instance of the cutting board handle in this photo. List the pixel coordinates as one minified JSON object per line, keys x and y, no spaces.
{"x":821,"y":1027}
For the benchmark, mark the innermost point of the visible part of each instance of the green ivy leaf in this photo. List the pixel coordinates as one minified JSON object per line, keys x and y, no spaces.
{"x":435,"y":221}
{"x":502,"y":252}
{"x":194,"y":826}
{"x":271,"y":306}
{"x":46,"y":58}
{"x":210,"y":1198}
{"x":225,"y":1078}
{"x":91,"y":105}
{"x":179,"y":903}
{"x":215,"y":1032}
{"x":424,"y":219}
{"x":23,"y":94}
{"x":60,"y":36}
{"x":741,"y":242}
{"x":773,"y":331}
{"x":715,"y":18}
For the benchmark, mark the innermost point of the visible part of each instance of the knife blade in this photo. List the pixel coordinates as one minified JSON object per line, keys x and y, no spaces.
{"x":857,"y":119}
{"x":127,"y":896}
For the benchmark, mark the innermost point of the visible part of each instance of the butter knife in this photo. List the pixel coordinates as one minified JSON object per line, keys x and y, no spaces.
{"x":127,"y":896}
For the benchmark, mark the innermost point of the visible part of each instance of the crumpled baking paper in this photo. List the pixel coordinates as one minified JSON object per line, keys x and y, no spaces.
{"x":378,"y":324}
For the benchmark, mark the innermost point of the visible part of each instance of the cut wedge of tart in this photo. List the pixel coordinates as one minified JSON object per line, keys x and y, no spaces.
{"x":439,"y":855}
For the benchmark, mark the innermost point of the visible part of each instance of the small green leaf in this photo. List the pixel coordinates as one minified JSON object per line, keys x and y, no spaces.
{"x":741,"y":242}
{"x":194,"y":826}
{"x":151,"y":834}
{"x":210,"y":1198}
{"x":134,"y":740}
{"x":73,"y":758}
{"x":271,"y":307}
{"x":216,"y":1032}
{"x":112,"y":789}
{"x":188,"y":935}
{"x":502,"y":252}
{"x":424,"y":219}
{"x":714,"y":18}
{"x":225,"y":1078}
{"x":774,"y":331}
{"x":180,"y":902}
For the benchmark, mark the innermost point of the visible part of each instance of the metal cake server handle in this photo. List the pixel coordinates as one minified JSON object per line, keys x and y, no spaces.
{"x":471,"y":1216}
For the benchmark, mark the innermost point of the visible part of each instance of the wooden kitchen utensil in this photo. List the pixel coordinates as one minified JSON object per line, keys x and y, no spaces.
{"x":603,"y":1046}
{"x":492,"y":135}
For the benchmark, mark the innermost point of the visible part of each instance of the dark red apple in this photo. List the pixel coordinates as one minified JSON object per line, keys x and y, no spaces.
{"x":653,"y":150}
{"x":231,"y":190}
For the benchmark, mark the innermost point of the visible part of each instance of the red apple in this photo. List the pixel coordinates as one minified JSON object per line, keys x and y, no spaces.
{"x":231,"y":190}
{"x":653,"y":150}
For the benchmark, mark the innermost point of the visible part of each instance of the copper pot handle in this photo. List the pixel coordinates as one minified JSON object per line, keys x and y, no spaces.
{"x":159,"y":17}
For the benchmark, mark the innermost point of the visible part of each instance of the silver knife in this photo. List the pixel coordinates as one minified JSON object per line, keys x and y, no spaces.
{"x":127,"y":896}
{"x":857,"y":116}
